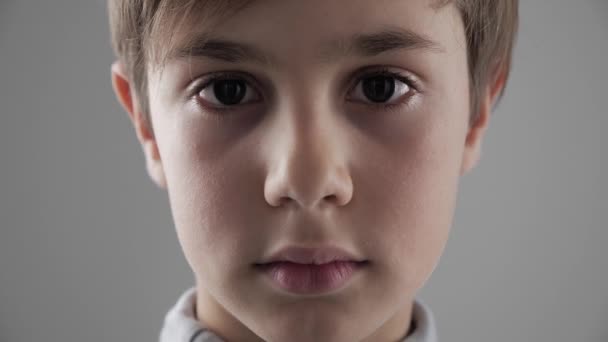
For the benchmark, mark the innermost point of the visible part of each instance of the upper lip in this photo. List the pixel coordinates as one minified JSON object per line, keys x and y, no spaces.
{"x":307,"y":255}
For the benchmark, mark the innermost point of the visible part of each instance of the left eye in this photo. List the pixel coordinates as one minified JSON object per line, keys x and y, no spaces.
{"x":227,"y":92}
{"x":380,"y":89}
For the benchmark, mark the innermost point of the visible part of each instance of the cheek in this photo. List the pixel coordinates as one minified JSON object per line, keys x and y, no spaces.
{"x":409,"y":194}
{"x":207,"y":187}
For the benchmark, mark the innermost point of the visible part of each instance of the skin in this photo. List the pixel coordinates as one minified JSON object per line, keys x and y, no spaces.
{"x":310,"y":164}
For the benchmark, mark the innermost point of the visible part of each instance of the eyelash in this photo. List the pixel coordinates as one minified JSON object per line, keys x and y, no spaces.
{"x":361,"y":75}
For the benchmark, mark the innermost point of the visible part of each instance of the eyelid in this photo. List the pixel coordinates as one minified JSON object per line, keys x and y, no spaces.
{"x":406,"y":77}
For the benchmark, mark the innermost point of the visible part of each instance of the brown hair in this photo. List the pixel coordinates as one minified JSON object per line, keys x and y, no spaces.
{"x":141,"y":30}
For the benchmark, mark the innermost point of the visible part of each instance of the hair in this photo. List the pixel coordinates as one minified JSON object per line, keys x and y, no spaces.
{"x":142,"y":31}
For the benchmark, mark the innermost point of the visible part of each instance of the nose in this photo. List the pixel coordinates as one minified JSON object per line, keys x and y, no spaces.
{"x":309,"y":164}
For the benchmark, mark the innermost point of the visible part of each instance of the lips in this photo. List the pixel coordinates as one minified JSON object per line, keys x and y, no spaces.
{"x":298,"y":279}
{"x":311,"y":271}
{"x":316,"y":256}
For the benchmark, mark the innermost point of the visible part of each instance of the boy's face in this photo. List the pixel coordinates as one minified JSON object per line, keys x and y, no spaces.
{"x":306,"y":158}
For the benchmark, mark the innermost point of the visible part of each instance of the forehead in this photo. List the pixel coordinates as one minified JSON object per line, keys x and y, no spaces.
{"x":305,"y":28}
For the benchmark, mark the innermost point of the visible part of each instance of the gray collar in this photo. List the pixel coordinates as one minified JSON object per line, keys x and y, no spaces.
{"x":180,"y":324}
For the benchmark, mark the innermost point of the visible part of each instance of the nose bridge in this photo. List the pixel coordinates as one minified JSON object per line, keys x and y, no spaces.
{"x":309,"y":167}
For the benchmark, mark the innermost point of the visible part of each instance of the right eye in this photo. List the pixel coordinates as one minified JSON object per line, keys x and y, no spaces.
{"x":226,"y":91}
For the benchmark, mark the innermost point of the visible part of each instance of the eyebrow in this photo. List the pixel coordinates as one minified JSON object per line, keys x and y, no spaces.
{"x":369,"y":45}
{"x":362,"y":45}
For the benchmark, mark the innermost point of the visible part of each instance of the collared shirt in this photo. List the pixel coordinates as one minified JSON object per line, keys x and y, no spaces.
{"x":181,"y":325}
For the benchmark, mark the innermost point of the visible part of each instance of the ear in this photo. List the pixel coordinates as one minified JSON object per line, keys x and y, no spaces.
{"x":126,"y":97}
{"x":475,"y":134}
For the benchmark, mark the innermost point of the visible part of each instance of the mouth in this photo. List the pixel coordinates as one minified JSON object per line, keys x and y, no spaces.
{"x":311,"y":279}
{"x":311,"y":271}
{"x":276,"y":263}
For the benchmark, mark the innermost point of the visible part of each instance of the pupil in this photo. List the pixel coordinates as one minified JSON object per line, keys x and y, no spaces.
{"x":379,"y":88}
{"x":229,"y":92}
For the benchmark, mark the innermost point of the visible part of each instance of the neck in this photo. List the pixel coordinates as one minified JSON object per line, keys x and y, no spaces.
{"x":396,"y":328}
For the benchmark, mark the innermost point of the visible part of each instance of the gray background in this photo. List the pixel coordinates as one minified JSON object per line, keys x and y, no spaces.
{"x":87,"y":247}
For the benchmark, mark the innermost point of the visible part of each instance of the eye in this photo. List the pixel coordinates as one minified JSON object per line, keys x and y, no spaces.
{"x":382,"y":88}
{"x":226,"y":90}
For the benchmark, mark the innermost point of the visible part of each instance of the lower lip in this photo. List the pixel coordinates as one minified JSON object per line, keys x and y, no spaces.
{"x":310,"y":278}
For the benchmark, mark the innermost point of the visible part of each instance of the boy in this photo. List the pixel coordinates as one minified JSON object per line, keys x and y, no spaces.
{"x":311,"y":151}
